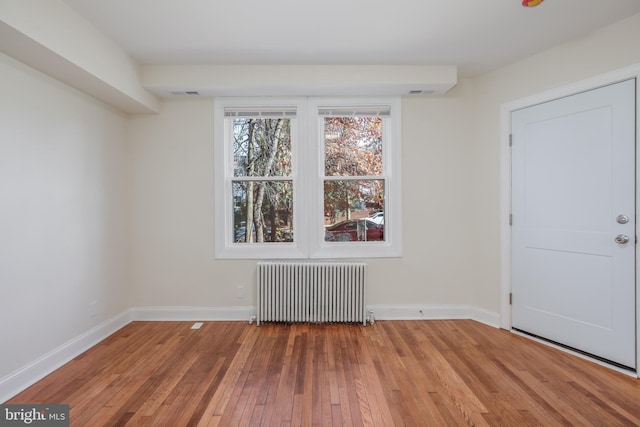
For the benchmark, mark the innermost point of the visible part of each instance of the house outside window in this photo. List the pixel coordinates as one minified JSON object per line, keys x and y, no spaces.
{"x":307,"y":178}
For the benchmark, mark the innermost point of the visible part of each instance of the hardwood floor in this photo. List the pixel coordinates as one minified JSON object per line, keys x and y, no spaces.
{"x":393,"y":373}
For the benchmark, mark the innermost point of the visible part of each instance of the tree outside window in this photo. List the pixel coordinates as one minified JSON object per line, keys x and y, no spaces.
{"x":263,"y":206}
{"x":353,"y":159}
{"x":295,"y":178}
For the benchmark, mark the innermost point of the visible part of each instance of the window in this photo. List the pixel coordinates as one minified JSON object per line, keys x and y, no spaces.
{"x":307,"y":178}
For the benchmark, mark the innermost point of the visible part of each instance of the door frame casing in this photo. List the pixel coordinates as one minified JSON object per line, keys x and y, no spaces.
{"x":506,"y":109}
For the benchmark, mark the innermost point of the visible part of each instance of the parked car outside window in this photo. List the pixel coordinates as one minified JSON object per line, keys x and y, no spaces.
{"x":355,"y":230}
{"x":377,"y":217}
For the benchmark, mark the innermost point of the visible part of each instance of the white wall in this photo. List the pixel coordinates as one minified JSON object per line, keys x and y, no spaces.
{"x":51,"y":37}
{"x":172,"y":230}
{"x":451,"y":181}
{"x":63,"y":214}
{"x":608,"y":49}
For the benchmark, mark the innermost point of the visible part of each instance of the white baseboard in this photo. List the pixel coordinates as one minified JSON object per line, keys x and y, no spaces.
{"x":489,"y":318}
{"x":24,"y":377}
{"x":239,"y":313}
{"x":19,"y":380}
{"x":381,"y":312}
{"x":434,"y":312}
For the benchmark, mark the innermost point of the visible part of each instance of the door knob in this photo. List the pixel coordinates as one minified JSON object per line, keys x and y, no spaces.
{"x":622,"y":239}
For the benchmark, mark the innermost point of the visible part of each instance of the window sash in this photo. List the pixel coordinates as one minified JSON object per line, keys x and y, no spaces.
{"x":389,"y":110}
{"x":324,"y":142}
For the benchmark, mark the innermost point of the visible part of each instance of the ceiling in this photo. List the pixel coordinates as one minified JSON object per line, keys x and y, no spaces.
{"x":475,"y":35}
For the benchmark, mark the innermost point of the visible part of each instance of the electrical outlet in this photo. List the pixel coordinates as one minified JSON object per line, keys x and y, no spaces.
{"x":240,"y":292}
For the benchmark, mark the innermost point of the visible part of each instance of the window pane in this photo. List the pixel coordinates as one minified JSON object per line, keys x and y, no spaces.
{"x":354,"y":210}
{"x":261,"y":147}
{"x":265,"y":205}
{"x":353,"y":146}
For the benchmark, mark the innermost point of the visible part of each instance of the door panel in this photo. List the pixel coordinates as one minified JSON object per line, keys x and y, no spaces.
{"x":573,"y":173}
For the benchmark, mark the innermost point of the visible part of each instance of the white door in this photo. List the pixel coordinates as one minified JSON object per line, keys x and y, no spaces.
{"x":573,"y":205}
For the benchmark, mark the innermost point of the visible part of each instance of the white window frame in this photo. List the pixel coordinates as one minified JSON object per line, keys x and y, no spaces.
{"x":307,"y":153}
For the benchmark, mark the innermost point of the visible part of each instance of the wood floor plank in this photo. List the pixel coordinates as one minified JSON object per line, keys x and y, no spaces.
{"x":348,"y":395}
{"x":397,"y":374}
{"x":453,"y":385}
{"x":381,"y":415}
{"x":544,"y":393}
{"x":392,"y":373}
{"x":216,"y":405}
